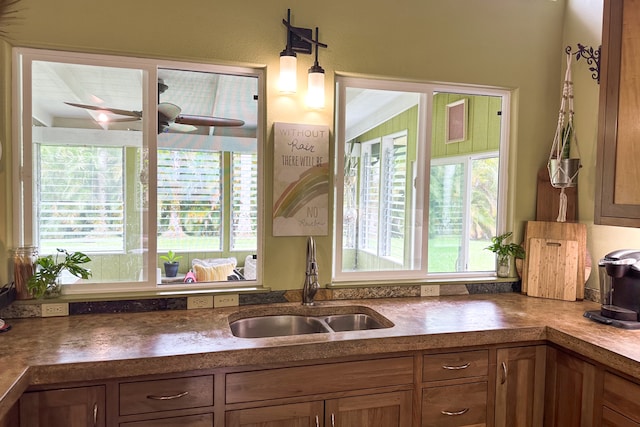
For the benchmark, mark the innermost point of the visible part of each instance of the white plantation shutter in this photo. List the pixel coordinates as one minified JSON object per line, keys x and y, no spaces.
{"x":80,"y":198}
{"x":244,"y":201}
{"x":190,"y":199}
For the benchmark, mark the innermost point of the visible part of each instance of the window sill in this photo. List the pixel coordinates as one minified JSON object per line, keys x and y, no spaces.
{"x":432,"y":281}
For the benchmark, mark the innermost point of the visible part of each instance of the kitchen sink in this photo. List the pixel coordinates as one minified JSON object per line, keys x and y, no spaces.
{"x":275,"y":326}
{"x":352,"y":322}
{"x":266,"y":325}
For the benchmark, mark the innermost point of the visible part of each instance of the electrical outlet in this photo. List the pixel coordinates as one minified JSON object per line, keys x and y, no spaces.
{"x":58,"y":309}
{"x":201,"y":301}
{"x":429,"y":290}
{"x":226,"y":300}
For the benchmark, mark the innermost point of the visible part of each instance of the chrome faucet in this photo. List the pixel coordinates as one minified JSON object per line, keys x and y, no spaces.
{"x":311,"y":286}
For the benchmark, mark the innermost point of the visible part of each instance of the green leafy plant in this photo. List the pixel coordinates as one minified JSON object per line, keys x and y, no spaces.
{"x":503,"y":249}
{"x":171,"y":257}
{"x":48,"y":269}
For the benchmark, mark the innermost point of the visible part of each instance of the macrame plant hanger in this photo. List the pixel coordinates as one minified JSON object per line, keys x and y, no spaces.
{"x":563,"y":170}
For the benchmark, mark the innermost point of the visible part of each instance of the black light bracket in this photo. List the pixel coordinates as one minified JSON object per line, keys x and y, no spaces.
{"x":299,"y":40}
{"x":591,"y":55}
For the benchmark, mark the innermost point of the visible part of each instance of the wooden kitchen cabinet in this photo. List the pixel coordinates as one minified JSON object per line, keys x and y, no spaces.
{"x":391,"y":409}
{"x":617,"y":200}
{"x":520,"y":377}
{"x":620,"y":403}
{"x":573,"y":387}
{"x":69,"y":407}
{"x":12,"y":418}
{"x":455,"y":389}
{"x":306,"y":414}
{"x":376,"y":392}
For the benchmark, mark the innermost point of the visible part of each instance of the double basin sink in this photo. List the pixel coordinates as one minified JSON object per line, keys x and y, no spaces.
{"x":302,"y":320}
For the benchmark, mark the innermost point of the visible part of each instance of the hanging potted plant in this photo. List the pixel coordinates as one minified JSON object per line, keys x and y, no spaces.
{"x":46,"y":280}
{"x":505,"y":252}
{"x":171,"y":263}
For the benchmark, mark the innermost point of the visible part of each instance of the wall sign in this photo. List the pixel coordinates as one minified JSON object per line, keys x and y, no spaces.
{"x":300,"y":179}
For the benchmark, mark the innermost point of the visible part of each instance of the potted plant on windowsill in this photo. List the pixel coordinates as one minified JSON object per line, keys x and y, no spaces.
{"x":171,"y":263}
{"x":505,"y":252}
{"x":46,"y":280}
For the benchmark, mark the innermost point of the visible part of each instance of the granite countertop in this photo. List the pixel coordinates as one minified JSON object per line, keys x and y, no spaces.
{"x":101,"y":346}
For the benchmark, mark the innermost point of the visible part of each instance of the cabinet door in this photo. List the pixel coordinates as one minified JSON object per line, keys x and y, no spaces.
{"x":375,"y":410}
{"x":71,"y":407}
{"x":203,"y":420}
{"x":613,"y":419}
{"x":617,"y":195}
{"x":307,"y":414}
{"x":570,"y":398}
{"x":12,"y":419}
{"x":520,"y":386}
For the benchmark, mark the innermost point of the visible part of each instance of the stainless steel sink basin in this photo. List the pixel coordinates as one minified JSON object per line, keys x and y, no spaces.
{"x":352,"y":322}
{"x":295,"y":321}
{"x":275,"y":326}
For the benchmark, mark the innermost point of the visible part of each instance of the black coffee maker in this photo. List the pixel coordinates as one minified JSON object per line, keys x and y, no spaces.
{"x":619,"y":273}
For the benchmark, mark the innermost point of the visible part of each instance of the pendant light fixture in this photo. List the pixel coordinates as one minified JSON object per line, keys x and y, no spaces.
{"x":288,"y":63}
{"x":300,"y":40}
{"x":315,"y":84}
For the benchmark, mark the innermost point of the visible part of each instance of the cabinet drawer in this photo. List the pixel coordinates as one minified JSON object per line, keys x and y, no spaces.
{"x":613,"y":419}
{"x":461,"y":364}
{"x":165,"y":395}
{"x":455,"y":405}
{"x":204,"y":420}
{"x":621,"y":395}
{"x":318,"y":379}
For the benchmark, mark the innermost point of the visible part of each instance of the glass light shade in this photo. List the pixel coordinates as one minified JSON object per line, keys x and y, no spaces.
{"x":288,"y":78}
{"x":315,"y":90}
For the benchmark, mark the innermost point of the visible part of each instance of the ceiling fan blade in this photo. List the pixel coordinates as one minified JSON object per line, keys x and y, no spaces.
{"x":168,"y":112}
{"x":188,"y":119}
{"x":136,"y":114}
{"x":178,"y":127}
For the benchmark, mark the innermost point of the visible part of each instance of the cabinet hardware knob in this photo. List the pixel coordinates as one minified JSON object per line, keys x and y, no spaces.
{"x":172,"y":397}
{"x":453,"y":368}
{"x":504,"y":373}
{"x":454,"y":413}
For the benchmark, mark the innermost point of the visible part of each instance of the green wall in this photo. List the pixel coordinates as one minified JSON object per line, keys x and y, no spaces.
{"x":513,"y":44}
{"x":483,"y":125}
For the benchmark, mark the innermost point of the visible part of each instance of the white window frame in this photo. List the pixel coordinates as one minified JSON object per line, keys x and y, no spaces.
{"x":23,"y":232}
{"x":420,"y":203}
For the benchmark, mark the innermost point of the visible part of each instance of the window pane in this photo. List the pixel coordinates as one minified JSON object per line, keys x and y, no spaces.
{"x":446,"y":212}
{"x":189,"y":200}
{"x":81,"y":198}
{"x":244,"y":202}
{"x":86,"y":140}
{"x":378,"y":233}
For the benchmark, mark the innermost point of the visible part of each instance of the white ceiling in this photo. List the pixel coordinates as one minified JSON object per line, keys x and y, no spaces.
{"x":196,"y":93}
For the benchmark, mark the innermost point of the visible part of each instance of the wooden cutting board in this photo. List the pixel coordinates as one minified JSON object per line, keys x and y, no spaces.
{"x":553,"y":267}
{"x":548,"y":199}
{"x":556,"y":231}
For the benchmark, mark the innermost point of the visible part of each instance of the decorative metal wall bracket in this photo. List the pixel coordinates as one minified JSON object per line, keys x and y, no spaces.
{"x":591,"y":55}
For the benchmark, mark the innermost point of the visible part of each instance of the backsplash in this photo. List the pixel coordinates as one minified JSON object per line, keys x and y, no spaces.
{"x":33,"y":309}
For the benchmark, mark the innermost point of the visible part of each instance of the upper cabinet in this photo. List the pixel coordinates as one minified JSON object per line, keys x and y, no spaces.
{"x":617,"y":200}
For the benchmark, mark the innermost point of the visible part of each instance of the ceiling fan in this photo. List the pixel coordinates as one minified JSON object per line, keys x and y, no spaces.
{"x":169,"y":116}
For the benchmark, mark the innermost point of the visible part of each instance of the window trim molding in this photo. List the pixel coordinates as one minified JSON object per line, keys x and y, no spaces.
{"x":505,"y":192}
{"x":21,"y":178}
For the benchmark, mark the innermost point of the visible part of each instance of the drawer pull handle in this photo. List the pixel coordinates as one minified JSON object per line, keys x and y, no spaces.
{"x":95,"y":414}
{"x":504,"y":373}
{"x":317,"y":421}
{"x":454,"y":368}
{"x":454,"y":413}
{"x":333,"y":420}
{"x":172,"y":397}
